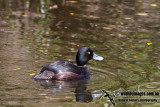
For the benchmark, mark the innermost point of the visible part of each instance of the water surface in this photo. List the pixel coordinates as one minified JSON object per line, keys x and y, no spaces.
{"x":36,"y":33}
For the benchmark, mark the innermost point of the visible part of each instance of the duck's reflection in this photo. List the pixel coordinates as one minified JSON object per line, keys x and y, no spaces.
{"x":81,"y":92}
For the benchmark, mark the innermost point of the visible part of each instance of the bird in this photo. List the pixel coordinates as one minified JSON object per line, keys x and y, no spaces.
{"x":66,"y":70}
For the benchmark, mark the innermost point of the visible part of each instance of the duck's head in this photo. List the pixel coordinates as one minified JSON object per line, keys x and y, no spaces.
{"x":85,"y":54}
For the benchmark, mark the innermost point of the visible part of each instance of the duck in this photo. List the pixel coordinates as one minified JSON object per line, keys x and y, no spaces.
{"x":66,"y":70}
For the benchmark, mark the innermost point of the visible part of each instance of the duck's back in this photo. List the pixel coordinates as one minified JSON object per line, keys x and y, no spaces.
{"x":62,"y":70}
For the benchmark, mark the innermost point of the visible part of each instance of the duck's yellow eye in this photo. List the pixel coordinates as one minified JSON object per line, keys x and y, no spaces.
{"x":89,"y":52}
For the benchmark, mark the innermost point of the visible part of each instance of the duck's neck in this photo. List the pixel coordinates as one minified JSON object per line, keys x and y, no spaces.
{"x":80,"y":61}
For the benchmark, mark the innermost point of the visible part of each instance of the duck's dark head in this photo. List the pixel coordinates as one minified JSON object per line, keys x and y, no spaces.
{"x":85,"y":54}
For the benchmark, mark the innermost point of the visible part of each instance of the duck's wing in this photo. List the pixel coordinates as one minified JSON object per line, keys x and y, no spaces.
{"x":49,"y":68}
{"x":47,"y":72}
{"x":67,"y":66}
{"x":58,"y":67}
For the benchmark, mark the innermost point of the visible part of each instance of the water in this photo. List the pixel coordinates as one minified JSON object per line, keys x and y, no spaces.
{"x":36,"y":33}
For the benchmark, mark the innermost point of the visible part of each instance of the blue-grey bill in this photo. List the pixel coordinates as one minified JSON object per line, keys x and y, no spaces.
{"x":96,"y":57}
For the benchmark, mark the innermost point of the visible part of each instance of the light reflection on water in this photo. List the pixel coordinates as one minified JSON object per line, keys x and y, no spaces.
{"x":117,"y":30}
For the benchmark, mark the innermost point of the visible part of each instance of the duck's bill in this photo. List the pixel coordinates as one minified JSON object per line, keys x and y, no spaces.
{"x":96,"y":57}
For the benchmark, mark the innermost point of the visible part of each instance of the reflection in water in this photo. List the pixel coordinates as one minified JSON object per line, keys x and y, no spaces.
{"x":80,"y":86}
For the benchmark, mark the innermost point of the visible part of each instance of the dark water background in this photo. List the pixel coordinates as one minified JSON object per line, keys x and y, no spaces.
{"x":34,"y":33}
